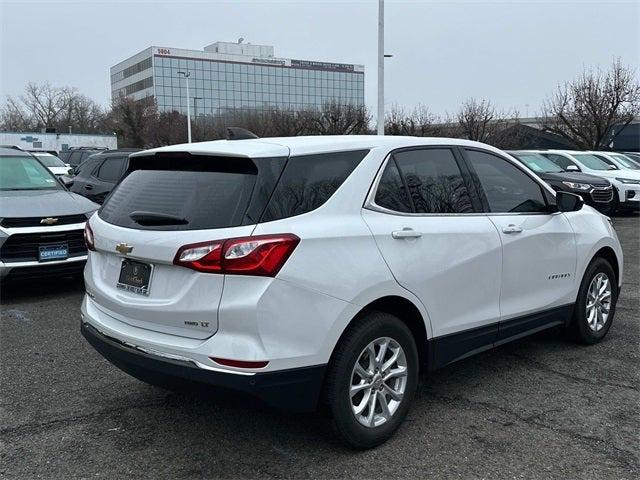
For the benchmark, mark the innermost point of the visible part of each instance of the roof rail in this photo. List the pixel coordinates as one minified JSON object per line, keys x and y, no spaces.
{"x":239,"y":133}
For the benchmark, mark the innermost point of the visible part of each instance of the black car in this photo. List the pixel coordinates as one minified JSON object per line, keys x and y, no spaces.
{"x":595,"y":191}
{"x":96,"y":176}
{"x":77,"y":155}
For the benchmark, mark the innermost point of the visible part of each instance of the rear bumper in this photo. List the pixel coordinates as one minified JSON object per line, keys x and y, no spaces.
{"x":294,"y":389}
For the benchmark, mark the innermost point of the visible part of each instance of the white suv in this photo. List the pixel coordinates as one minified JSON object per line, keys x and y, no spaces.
{"x":329,"y":270}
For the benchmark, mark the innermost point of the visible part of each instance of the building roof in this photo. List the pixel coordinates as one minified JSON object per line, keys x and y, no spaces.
{"x":305,"y":145}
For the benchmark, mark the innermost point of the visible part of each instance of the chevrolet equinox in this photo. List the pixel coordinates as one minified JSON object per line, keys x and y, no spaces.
{"x":329,"y":271}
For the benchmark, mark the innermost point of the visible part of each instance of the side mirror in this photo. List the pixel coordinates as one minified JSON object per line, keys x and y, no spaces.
{"x":613,"y":167}
{"x":572,"y":168}
{"x":568,"y":202}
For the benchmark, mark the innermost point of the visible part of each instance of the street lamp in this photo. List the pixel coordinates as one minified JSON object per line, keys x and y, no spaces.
{"x":186,"y":76}
{"x":381,"y":56}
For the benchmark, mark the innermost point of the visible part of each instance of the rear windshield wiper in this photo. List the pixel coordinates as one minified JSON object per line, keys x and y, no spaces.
{"x":155,"y":218}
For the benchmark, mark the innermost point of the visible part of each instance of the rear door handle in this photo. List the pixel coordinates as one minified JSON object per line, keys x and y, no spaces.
{"x":511,"y":228}
{"x":88,"y":187}
{"x":406,"y":233}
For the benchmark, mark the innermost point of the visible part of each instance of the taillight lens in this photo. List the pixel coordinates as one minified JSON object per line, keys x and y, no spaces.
{"x":204,"y":257}
{"x":262,"y":255}
{"x":88,"y":237}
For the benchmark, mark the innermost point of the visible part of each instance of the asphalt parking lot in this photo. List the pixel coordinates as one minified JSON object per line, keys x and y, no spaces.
{"x":538,"y":408}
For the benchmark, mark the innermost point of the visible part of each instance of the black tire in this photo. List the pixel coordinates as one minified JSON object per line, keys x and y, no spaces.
{"x":579,"y":328}
{"x":339,"y":377}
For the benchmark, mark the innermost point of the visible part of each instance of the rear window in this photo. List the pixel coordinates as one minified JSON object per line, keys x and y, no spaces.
{"x":179,"y":191}
{"x":308,"y":181}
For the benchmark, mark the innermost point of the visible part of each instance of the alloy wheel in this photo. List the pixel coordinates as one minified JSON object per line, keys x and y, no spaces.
{"x":378,"y":382}
{"x":598,"y":302}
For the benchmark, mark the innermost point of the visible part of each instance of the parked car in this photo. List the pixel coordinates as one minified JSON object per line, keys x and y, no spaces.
{"x":76,"y":155}
{"x":617,"y":159}
{"x":595,"y":191}
{"x":626,"y":183}
{"x":635,"y":156}
{"x":97,"y":176}
{"x":52,"y":162}
{"x":41,"y":223}
{"x":332,"y":269}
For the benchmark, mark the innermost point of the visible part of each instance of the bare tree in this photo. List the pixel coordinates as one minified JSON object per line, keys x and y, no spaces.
{"x":479,"y":120}
{"x":586,"y":110}
{"x":336,"y":119}
{"x":43,"y":106}
{"x":419,"y":123}
{"x":14,"y":117}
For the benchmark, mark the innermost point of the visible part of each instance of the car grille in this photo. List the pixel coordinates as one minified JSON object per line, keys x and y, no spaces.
{"x":602,"y":195}
{"x":23,"y":247}
{"x":19,"y":222}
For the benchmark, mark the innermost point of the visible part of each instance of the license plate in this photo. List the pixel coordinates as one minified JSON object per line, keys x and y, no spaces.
{"x":53,"y":252}
{"x":135,"y":277}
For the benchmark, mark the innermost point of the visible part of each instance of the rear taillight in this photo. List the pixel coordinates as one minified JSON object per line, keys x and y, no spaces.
{"x":88,"y":237}
{"x":262,"y":255}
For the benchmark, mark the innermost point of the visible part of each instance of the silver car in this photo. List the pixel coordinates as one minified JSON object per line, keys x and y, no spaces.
{"x":41,"y":222}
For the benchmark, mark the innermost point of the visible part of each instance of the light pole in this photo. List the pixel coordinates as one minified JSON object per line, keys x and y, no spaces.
{"x":186,"y":76}
{"x":380,"y":67}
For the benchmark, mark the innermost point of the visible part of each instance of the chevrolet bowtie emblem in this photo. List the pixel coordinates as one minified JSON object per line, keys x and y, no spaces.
{"x":49,"y":221}
{"x":124,"y":248}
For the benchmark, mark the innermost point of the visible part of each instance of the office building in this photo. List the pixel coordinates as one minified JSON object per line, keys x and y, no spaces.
{"x":227,"y":77}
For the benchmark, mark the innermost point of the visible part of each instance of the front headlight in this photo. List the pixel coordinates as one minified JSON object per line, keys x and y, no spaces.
{"x":88,"y":214}
{"x":577,"y":186}
{"x":628,"y":180}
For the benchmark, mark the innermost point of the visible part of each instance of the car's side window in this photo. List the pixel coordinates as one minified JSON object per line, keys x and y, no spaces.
{"x":434,"y":180}
{"x":506,"y":187}
{"x":110,"y":170}
{"x":392,"y":193}
{"x":560,"y":160}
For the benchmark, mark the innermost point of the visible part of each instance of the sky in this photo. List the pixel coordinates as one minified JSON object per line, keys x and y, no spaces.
{"x":513,"y":53}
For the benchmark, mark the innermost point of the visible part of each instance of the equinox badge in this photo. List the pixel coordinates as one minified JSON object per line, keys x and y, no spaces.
{"x":124,"y":248}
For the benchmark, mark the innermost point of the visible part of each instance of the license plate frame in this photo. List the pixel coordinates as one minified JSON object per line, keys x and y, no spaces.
{"x":51,"y":253}
{"x":135,"y":277}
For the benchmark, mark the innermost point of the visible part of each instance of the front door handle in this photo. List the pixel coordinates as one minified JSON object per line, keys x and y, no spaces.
{"x":406,"y":233}
{"x":511,"y":228}
{"x":88,"y":187}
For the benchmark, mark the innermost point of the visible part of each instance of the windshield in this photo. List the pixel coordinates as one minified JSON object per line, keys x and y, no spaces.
{"x":538,"y":163}
{"x":591,"y":161}
{"x":25,"y":173}
{"x":625,"y":162}
{"x":49,"y":160}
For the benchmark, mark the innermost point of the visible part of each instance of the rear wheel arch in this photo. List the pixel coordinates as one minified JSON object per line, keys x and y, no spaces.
{"x":406,"y":311}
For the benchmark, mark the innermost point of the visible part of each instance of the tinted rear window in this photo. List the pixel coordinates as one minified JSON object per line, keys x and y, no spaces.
{"x":308,"y":181}
{"x":204,"y":199}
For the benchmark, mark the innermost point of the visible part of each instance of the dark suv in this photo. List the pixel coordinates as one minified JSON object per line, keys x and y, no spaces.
{"x":76,"y":155}
{"x":595,"y":191}
{"x":96,"y":177}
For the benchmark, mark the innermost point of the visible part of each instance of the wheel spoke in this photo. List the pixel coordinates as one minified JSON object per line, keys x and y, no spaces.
{"x":384,"y":406}
{"x":395,"y":373}
{"x":382,"y":353}
{"x":372,"y":408}
{"x":392,"y":393}
{"x":389,"y":363}
{"x":358,"y":409}
{"x":358,"y":388}
{"x":362,"y":373}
